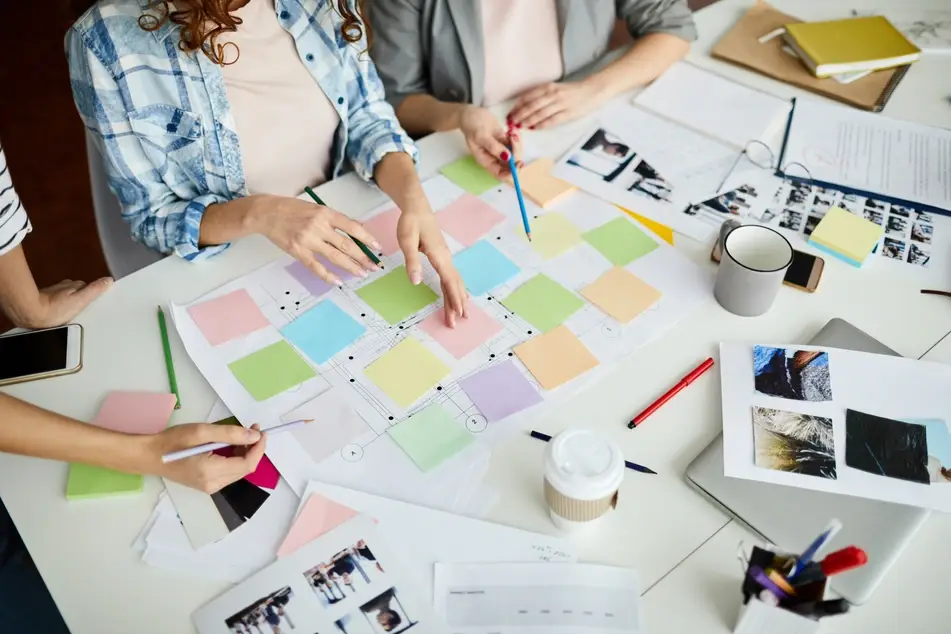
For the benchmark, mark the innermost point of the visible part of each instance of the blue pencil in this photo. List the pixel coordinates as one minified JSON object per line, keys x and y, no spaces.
{"x":521,"y":201}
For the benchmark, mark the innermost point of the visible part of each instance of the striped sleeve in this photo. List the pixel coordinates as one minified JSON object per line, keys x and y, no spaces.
{"x":14,"y":223}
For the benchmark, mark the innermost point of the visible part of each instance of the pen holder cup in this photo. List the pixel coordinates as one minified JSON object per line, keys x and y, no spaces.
{"x":758,"y":617}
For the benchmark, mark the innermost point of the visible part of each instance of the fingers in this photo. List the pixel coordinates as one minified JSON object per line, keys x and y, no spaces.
{"x":491,"y":163}
{"x":355,"y":229}
{"x":341,"y":251}
{"x":84,"y":295}
{"x":544,"y":114}
{"x":515,"y":142}
{"x":66,"y":286}
{"x":318,"y":269}
{"x":414,"y":265}
{"x":253,"y":456}
{"x":524,"y":103}
{"x":201,"y":433}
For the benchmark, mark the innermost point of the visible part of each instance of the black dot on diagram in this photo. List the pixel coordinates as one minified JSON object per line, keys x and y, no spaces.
{"x":476,"y":423}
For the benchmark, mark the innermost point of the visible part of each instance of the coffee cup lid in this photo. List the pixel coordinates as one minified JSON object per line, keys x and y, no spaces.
{"x":583,"y":464}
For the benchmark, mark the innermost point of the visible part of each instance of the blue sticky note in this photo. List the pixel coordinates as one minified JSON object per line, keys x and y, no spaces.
{"x":483,"y":267}
{"x":323,"y":331}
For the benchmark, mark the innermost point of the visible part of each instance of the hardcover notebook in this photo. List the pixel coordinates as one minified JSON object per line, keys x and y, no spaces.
{"x":741,"y":46}
{"x":856,"y":44}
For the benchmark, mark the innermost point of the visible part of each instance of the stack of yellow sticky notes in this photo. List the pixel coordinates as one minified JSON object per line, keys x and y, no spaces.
{"x":846,"y":236}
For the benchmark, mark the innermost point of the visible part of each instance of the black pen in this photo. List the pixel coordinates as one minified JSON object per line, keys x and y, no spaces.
{"x":630,"y":465}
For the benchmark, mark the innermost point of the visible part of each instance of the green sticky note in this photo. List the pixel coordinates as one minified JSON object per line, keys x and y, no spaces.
{"x":469,"y":175}
{"x":395,"y":297}
{"x":430,"y":437}
{"x":271,"y":370}
{"x":406,"y":371}
{"x":620,"y":241}
{"x":543,"y":302}
{"x":86,"y":481}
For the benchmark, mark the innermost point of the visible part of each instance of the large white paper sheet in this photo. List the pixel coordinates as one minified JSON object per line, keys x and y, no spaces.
{"x":538,"y":598}
{"x":839,"y":421}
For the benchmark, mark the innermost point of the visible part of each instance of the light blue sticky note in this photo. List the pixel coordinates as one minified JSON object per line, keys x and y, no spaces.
{"x":483,"y":267}
{"x":323,"y":331}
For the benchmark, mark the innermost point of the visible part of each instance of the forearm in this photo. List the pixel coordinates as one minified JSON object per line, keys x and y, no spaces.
{"x":396,"y":175}
{"x":423,"y":114}
{"x":20,"y":299}
{"x":30,"y":431}
{"x":647,"y":58}
{"x":233,"y":220}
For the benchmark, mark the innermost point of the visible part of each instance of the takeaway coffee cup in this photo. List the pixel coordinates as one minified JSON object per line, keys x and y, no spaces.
{"x":752,"y":268}
{"x":583,"y":471}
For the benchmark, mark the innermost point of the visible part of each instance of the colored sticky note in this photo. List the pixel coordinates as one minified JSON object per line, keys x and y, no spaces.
{"x":846,"y":234}
{"x":552,"y":235}
{"x":500,"y":391}
{"x":430,"y":437}
{"x":394,"y":297}
{"x":228,"y":317}
{"x":271,"y":370}
{"x":468,"y":334}
{"x":323,"y":331}
{"x":540,"y":186}
{"x":543,"y":302}
{"x":469,"y":175}
{"x":383,"y":227}
{"x":467,"y":219}
{"x":265,"y":476}
{"x":335,"y":424}
{"x":620,"y":241}
{"x":87,"y":481}
{"x":407,"y":371}
{"x":663,"y":232}
{"x":621,"y":294}
{"x":318,"y":517}
{"x":483,"y":267}
{"x":555,"y":357}
{"x":314,"y":285}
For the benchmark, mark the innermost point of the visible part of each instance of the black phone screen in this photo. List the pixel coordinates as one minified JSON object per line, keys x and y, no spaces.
{"x":33,"y":353}
{"x":801,"y":268}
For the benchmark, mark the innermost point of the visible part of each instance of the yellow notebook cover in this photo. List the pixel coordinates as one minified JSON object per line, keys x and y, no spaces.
{"x":854,"y":43}
{"x":847,"y":233}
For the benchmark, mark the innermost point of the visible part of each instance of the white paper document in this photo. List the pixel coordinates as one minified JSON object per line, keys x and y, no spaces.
{"x":838,"y":421}
{"x":870,"y":153}
{"x":538,"y":599}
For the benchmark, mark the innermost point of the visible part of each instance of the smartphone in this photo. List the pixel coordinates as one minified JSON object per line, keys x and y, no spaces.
{"x":39,"y":354}
{"x":803,"y":273}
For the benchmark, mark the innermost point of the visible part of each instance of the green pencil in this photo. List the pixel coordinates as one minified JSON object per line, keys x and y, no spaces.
{"x":366,"y":250}
{"x":169,"y":365}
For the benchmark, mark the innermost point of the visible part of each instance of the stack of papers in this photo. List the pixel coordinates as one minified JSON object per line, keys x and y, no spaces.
{"x":846,"y":236}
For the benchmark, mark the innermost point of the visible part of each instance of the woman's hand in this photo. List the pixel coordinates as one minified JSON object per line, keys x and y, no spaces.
{"x":304,"y":229}
{"x":417,"y":232}
{"x":208,"y":472}
{"x":548,"y":105}
{"x":488,"y":141}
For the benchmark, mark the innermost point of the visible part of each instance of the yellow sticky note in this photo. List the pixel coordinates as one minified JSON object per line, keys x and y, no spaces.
{"x":846,"y":234}
{"x":407,"y":371}
{"x":663,"y":232}
{"x":552,"y":235}
{"x":555,"y":357}
{"x":621,"y":294}
{"x":540,"y":186}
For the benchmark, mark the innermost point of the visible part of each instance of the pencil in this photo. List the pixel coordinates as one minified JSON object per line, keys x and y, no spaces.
{"x":521,"y":201}
{"x":169,"y":364}
{"x":366,"y":250}
{"x":214,"y":446}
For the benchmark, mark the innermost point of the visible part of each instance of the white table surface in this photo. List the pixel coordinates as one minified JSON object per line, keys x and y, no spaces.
{"x":83,"y":550}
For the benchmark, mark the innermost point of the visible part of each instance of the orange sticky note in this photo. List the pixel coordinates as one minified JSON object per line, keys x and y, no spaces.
{"x":555,"y":357}
{"x":540,"y":186}
{"x":621,"y":294}
{"x":663,"y":232}
{"x":318,"y":517}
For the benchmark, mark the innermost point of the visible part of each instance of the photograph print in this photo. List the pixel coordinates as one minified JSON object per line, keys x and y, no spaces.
{"x":267,"y":615}
{"x":345,"y":575}
{"x":922,"y":232}
{"x":383,"y":614}
{"x":603,"y":154}
{"x":732,"y":203}
{"x":886,"y":447}
{"x":799,"y":375}
{"x":894,"y":249}
{"x":917,"y":255}
{"x":648,"y":181}
{"x":938,"y":436}
{"x":793,"y":442}
{"x":897,"y":226}
{"x":239,"y":501}
{"x":791,"y":220}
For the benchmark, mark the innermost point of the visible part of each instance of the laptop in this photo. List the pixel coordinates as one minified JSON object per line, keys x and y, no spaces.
{"x":791,"y":518}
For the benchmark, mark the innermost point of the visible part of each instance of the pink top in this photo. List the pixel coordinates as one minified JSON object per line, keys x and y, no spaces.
{"x":284,"y":120}
{"x":522,"y":45}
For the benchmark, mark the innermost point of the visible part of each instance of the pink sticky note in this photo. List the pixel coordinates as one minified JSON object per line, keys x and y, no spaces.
{"x":318,"y":517}
{"x":467,"y":219}
{"x":266,"y":476}
{"x":228,"y":317}
{"x":135,"y":412}
{"x":468,"y":334}
{"x":383,"y":228}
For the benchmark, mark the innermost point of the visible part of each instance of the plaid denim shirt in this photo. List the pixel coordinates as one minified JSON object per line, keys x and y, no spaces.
{"x":162,"y":121}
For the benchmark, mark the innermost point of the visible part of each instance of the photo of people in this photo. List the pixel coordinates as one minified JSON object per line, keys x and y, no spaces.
{"x":894,"y":249}
{"x":794,"y":443}
{"x":811,"y":223}
{"x":922,"y":232}
{"x":267,"y":615}
{"x":648,"y":181}
{"x":821,"y":205}
{"x":896,"y":226}
{"x":801,"y":375}
{"x":345,"y":575}
{"x":917,"y":255}
{"x":923,"y":216}
{"x":603,"y":154}
{"x":875,"y":204}
{"x":791,"y":220}
{"x":898,"y":210}
{"x":799,"y":194}
{"x":381,"y":615}
{"x":873,"y":215}
{"x":886,"y":447}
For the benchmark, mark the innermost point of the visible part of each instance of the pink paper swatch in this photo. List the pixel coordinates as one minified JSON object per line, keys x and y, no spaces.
{"x":318,"y":517}
{"x":228,"y":317}
{"x":468,"y":334}
{"x":383,"y":228}
{"x":467,"y":219}
{"x":135,"y":412}
{"x":265,"y":476}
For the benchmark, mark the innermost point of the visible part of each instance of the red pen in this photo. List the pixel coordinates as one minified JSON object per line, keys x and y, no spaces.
{"x":671,"y":393}
{"x":834,"y":563}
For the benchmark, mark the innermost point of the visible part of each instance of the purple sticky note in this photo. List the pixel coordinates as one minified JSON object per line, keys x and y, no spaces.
{"x":500,"y":391}
{"x":314,"y":285}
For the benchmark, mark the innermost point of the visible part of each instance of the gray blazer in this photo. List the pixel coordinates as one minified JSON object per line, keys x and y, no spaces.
{"x":435,"y":46}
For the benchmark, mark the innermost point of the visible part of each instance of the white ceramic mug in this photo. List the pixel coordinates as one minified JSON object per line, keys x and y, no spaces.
{"x":752,"y":268}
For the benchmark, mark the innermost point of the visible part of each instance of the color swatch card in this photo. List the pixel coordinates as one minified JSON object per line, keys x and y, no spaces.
{"x":313,"y":284}
{"x":500,"y":391}
{"x":552,"y":235}
{"x":383,"y":227}
{"x":394,"y":297}
{"x":431,"y":436}
{"x":540,"y":186}
{"x":484,"y":268}
{"x":467,"y":335}
{"x":621,"y":294}
{"x":543,"y":302}
{"x":407,"y":371}
{"x":323,"y":331}
{"x":468,"y":219}
{"x":470,"y":176}
{"x":555,"y":357}
{"x":317,"y":517}
{"x":271,"y":370}
{"x":852,"y":423}
{"x":620,"y":242}
{"x":228,"y":317}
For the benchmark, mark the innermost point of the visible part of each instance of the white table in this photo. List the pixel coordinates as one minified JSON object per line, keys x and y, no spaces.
{"x":83,"y":550}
